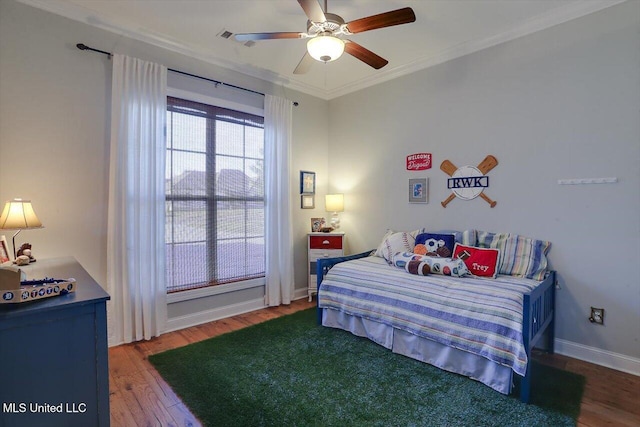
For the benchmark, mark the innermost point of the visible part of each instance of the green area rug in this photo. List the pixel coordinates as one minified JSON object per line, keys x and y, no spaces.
{"x":291,"y":372}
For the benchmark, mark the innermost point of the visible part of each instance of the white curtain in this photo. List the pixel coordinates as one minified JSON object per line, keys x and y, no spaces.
{"x":279,"y":243}
{"x":135,"y":240}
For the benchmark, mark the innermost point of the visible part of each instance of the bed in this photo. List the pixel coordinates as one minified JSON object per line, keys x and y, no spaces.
{"x":483,"y":328}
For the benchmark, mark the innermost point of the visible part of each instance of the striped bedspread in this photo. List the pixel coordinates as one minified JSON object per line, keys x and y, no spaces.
{"x":481,"y":316}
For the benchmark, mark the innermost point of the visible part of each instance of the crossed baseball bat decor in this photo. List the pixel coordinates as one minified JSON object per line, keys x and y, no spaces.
{"x":468,"y":182}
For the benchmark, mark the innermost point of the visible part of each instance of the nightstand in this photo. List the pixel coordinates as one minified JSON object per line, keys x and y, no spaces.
{"x":322,"y":245}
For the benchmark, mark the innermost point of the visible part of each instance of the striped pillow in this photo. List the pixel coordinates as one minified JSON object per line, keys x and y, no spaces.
{"x":519,"y":256}
{"x":467,"y":237}
{"x":495,"y":241}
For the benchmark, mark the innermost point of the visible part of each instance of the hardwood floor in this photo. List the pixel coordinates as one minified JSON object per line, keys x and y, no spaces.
{"x":139,"y":396}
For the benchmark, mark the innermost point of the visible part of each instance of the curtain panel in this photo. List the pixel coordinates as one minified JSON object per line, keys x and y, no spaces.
{"x":279,"y":243}
{"x":136,"y":217}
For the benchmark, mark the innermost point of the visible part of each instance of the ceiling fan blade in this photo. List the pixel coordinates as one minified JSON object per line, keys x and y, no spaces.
{"x":305,"y":64}
{"x":313,"y":10}
{"x":244,"y":37}
{"x":364,"y":55}
{"x":387,"y":19}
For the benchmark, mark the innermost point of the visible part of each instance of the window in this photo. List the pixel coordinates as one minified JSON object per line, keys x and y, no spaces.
{"x":214,"y":195}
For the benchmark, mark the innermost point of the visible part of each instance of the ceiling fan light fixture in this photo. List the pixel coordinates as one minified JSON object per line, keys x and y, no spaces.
{"x":325,"y":48}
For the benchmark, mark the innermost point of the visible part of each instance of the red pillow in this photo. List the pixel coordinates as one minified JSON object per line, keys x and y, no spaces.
{"x":481,"y":262}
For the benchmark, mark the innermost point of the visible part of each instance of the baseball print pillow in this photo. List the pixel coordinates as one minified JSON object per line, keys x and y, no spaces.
{"x":423,"y":264}
{"x":396,"y":242}
{"x":434,"y":244}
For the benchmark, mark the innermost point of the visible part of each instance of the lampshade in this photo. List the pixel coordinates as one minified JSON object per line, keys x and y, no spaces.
{"x":334,"y":202}
{"x":19,"y":214}
{"x":325,"y":48}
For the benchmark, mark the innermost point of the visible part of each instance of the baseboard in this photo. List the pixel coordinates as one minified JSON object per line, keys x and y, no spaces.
{"x":594,"y":355}
{"x":300,"y":293}
{"x":201,"y":317}
{"x":609,"y":359}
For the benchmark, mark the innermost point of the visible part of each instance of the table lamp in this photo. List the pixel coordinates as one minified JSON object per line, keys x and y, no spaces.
{"x":18,"y":214}
{"x":334,"y":203}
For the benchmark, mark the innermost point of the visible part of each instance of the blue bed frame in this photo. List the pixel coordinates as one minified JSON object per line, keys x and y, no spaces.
{"x":538,"y":314}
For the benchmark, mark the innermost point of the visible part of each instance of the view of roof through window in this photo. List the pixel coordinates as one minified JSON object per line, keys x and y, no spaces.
{"x":215,"y":195}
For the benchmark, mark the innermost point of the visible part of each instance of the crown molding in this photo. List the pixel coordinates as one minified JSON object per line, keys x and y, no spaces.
{"x":558,"y":16}
{"x":538,"y":23}
{"x":81,"y":14}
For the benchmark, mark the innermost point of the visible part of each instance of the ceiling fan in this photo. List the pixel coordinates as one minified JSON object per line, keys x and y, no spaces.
{"x":325,"y":31}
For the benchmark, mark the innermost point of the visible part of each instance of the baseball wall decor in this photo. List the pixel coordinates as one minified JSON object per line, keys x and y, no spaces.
{"x":468,"y":182}
{"x":419,"y":190}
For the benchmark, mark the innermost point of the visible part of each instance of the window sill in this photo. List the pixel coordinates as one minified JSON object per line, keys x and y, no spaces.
{"x":214,"y":290}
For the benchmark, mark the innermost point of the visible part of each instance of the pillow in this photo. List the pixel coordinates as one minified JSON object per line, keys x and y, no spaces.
{"x":396,"y":242}
{"x":388,"y":233}
{"x":495,"y":241}
{"x":519,"y":256}
{"x":481,"y":262}
{"x":525,"y":257}
{"x":378,"y":252}
{"x":434,"y":244}
{"x":444,"y":266}
{"x":421,"y":268}
{"x":466,"y":237}
{"x":414,"y":233}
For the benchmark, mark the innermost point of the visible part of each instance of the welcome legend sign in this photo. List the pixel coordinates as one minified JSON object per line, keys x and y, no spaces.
{"x":418,"y":161}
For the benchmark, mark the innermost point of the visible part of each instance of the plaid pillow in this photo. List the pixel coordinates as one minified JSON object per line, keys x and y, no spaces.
{"x":519,"y":256}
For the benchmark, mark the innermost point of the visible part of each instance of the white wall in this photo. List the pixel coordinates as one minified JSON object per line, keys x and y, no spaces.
{"x":54,"y":134}
{"x":561,"y":103}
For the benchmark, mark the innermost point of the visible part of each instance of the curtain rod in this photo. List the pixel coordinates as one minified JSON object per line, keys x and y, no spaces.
{"x":82,"y":46}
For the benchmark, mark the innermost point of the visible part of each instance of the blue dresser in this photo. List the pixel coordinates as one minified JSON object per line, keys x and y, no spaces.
{"x":53,"y":353}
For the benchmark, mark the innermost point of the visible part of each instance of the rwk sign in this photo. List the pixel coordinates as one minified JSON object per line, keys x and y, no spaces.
{"x":468,"y":182}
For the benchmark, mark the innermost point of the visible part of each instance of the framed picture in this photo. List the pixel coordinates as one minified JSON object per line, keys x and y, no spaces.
{"x":419,"y":190}
{"x":307,"y":182}
{"x":307,"y":201}
{"x":317,"y":224}
{"x":4,"y":250}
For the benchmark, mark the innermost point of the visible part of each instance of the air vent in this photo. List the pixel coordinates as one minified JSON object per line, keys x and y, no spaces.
{"x":225,"y":34}
{"x":228,"y":35}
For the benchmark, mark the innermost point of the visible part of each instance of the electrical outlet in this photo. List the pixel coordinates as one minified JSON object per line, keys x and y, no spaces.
{"x":597,"y":315}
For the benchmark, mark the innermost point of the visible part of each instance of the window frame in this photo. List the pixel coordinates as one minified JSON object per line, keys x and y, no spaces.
{"x":210,"y":290}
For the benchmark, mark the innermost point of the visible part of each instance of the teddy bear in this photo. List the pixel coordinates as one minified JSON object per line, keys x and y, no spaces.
{"x":25,"y":250}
